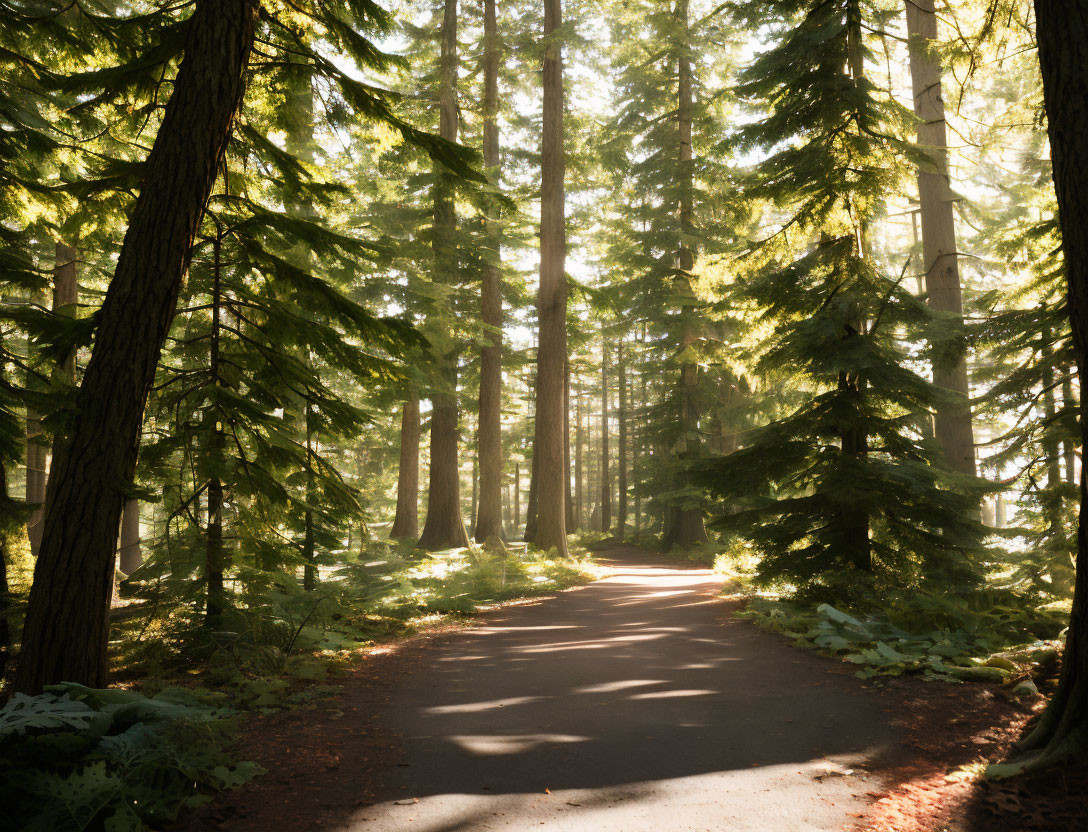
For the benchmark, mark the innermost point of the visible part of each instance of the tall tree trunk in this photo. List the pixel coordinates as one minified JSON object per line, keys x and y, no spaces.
{"x":488,"y":431}
{"x":215,"y":565}
{"x":445,"y":528}
{"x":606,"y":476}
{"x":579,"y":492}
{"x":65,"y":301}
{"x":549,"y":458}
{"x":684,"y":525}
{"x":1062,"y":33}
{"x":621,"y":450}
{"x":952,"y":424}
{"x":64,"y":638}
{"x":568,"y":495}
{"x":854,"y":442}
{"x":406,"y":520}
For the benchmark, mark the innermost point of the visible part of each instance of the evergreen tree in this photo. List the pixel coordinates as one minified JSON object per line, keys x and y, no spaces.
{"x":843,"y":495}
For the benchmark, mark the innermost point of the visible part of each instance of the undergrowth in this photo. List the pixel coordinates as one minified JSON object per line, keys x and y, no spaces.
{"x":989,"y":634}
{"x":75,"y":759}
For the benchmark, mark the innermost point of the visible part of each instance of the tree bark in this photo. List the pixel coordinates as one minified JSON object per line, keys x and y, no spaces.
{"x":1069,"y":448}
{"x":488,"y":431}
{"x":65,"y":634}
{"x":568,"y":495}
{"x":621,"y":450}
{"x":445,"y":527}
{"x":549,"y":459}
{"x":8,"y":525}
{"x":1062,"y":33}
{"x":952,"y":424}
{"x":406,"y":520}
{"x":606,"y":475}
{"x":684,"y":526}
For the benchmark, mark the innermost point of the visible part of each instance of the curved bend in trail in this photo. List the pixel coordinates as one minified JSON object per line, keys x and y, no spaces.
{"x":632,"y":704}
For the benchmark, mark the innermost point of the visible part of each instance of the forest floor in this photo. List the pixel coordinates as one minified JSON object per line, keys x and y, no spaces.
{"x":634,"y":703}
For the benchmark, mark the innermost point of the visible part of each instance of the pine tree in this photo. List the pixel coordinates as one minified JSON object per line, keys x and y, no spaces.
{"x":842,"y":496}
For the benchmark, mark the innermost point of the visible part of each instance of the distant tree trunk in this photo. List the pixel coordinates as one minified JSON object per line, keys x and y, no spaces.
{"x":1051,"y":444}
{"x":549,"y":458}
{"x":684,"y":525}
{"x":517,"y":498}
{"x":952,"y":424}
{"x":406,"y":520}
{"x":65,"y":302}
{"x":445,"y":528}
{"x":215,"y":561}
{"x":7,"y":528}
{"x":475,"y":488}
{"x":568,"y":496}
{"x":488,"y":522}
{"x":606,"y":476}
{"x":1062,"y":34}
{"x":530,"y":504}
{"x":64,"y":638}
{"x":1069,"y":448}
{"x":621,"y":462}
{"x":129,"y":550}
{"x":309,"y":550}
{"x":579,"y":439}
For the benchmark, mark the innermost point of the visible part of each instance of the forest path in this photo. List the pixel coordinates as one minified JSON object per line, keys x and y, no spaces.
{"x":634,"y":703}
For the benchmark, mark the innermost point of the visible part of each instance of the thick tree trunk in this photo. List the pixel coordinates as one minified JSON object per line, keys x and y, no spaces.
{"x":606,"y":475}
{"x":684,"y":526}
{"x":445,"y":528}
{"x":488,"y":521}
{"x":549,"y":458}
{"x":952,"y":424}
{"x":406,"y":520}
{"x":66,"y":624}
{"x":1062,"y":33}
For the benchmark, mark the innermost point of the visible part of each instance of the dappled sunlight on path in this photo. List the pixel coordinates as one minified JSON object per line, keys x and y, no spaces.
{"x":635,"y":703}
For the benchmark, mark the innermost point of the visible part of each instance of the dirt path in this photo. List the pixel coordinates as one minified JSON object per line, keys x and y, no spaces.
{"x":635,"y":703}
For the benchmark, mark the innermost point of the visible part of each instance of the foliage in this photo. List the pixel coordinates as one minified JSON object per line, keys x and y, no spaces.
{"x":917,"y":632}
{"x":75,"y":758}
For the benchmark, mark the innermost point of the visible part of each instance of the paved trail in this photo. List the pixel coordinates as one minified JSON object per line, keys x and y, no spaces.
{"x":632,"y":704}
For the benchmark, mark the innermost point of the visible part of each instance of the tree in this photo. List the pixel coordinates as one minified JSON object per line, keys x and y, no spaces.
{"x":549,"y":455}
{"x":1062,"y":33}
{"x":841,"y":495}
{"x":444,"y":527}
{"x":488,"y":428}
{"x":406,"y":519}
{"x":952,"y":421}
{"x":64,"y":636}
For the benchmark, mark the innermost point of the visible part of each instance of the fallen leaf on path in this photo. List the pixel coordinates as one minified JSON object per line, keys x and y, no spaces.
{"x":407,"y":802}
